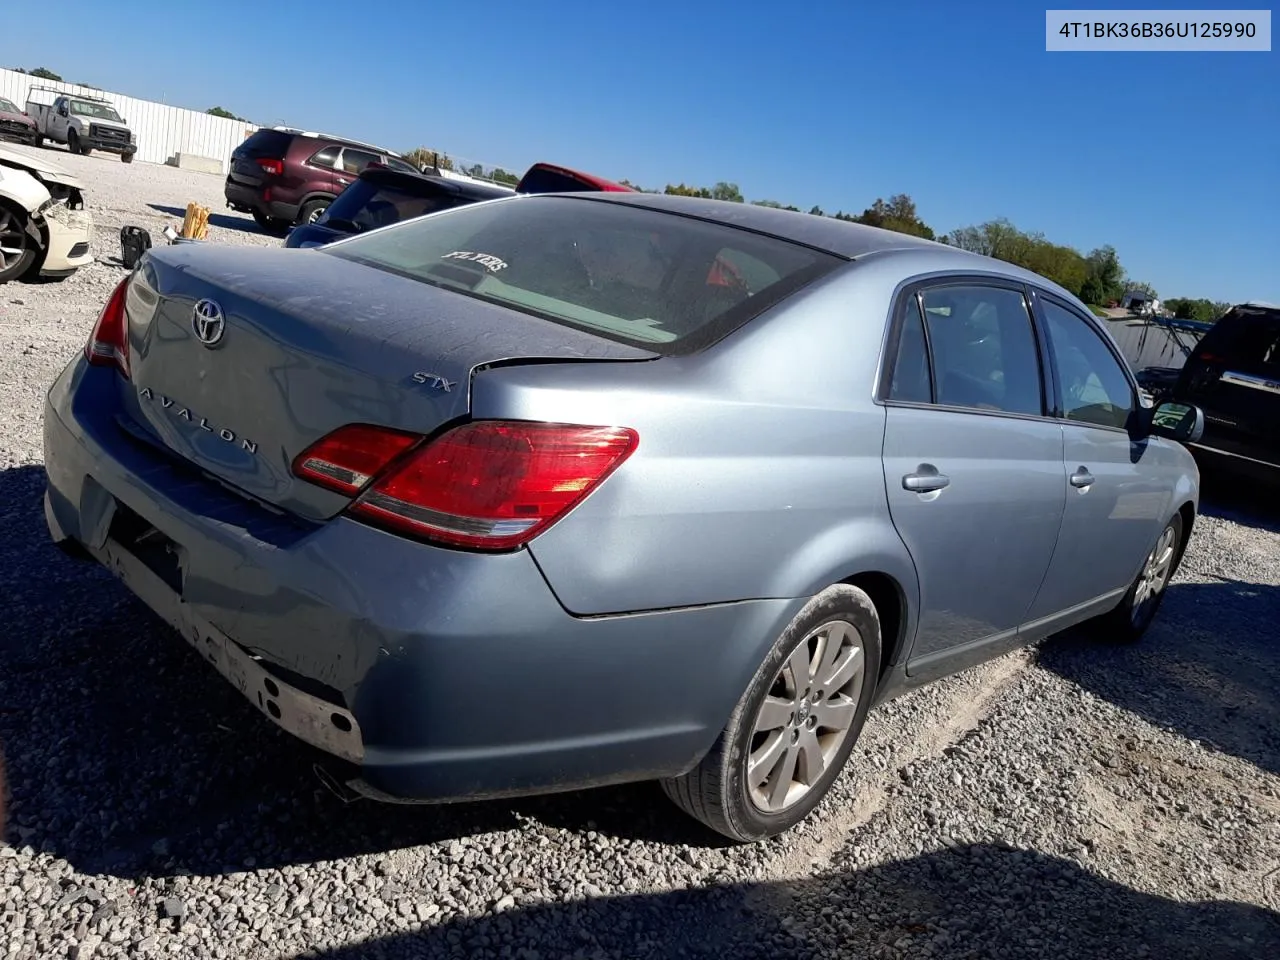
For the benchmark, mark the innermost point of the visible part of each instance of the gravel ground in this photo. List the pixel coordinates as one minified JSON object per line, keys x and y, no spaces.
{"x":1074,"y":801}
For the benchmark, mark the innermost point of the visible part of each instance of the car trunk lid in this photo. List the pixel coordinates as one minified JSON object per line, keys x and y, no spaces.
{"x":309,"y":342}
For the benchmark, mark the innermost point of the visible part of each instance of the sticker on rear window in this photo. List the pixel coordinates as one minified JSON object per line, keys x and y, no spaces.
{"x":487,"y":260}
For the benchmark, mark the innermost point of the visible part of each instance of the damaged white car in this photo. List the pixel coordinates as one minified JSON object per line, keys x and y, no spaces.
{"x":44,"y":229}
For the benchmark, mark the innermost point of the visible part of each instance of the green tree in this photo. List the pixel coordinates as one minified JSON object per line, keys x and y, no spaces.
{"x":44,"y":73}
{"x":727,"y":191}
{"x":504,"y":176}
{"x":683,"y":191}
{"x":995,"y":238}
{"x":224,"y":113}
{"x":1200,"y":310}
{"x":898,"y":214}
{"x":1000,"y":239}
{"x":1105,"y":280}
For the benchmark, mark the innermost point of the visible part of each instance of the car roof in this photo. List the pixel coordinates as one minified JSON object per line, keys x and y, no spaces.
{"x":331,"y":138}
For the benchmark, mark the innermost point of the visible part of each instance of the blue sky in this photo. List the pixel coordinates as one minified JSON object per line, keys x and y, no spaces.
{"x":1174,"y":158}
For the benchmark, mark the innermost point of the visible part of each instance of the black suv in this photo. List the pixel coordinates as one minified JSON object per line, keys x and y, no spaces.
{"x":1233,"y":375}
{"x":283,"y":176}
{"x":381,"y":196}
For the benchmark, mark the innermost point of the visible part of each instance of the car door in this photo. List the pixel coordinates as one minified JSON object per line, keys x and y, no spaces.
{"x":972,"y":463}
{"x":1116,"y":505}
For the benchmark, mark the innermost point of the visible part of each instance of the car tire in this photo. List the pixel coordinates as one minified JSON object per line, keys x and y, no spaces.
{"x":311,"y":210}
{"x":73,"y":142}
{"x":14,"y":236}
{"x":777,"y":724}
{"x":1133,"y":616}
{"x":126,"y":158}
{"x":38,"y":141}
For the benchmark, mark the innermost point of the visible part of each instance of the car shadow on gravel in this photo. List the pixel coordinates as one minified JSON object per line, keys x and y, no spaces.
{"x":220,"y":220}
{"x":1245,"y":500}
{"x":973,"y":901}
{"x":1208,"y":668}
{"x":128,"y":756}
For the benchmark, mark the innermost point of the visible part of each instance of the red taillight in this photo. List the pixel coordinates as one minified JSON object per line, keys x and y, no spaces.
{"x":108,"y":345}
{"x":347,"y":459}
{"x":275,"y":167}
{"x":491,"y":485}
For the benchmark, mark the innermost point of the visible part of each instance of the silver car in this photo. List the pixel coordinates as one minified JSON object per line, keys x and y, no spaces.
{"x":559,"y":491}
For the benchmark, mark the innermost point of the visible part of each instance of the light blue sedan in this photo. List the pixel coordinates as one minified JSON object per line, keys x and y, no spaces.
{"x":551,"y":492}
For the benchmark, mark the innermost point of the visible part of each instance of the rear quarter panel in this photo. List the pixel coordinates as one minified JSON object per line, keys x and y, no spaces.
{"x":758,"y":470}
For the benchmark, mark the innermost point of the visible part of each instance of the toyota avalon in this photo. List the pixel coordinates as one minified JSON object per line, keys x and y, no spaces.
{"x":567,"y":490}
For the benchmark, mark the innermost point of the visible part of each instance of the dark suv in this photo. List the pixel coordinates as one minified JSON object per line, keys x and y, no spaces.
{"x":283,"y":176}
{"x":1233,"y":375}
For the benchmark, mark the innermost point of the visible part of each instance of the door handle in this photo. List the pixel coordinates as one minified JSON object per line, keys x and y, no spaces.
{"x":926,"y":479}
{"x":1082,"y":478}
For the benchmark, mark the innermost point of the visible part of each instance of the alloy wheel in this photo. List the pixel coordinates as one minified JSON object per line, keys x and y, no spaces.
{"x":1154,"y":576}
{"x":13,"y":240}
{"x":805,"y":717}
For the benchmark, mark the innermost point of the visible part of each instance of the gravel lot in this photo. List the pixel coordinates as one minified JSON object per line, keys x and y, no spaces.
{"x":1074,"y":801}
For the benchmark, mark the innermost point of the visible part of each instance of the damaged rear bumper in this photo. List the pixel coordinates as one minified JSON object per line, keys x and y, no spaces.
{"x":460,"y":674}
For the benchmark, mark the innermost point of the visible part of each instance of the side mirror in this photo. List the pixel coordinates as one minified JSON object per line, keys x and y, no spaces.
{"x":1178,"y":421}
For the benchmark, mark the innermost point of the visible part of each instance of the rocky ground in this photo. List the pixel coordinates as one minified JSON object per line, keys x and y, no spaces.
{"x":1073,"y":801}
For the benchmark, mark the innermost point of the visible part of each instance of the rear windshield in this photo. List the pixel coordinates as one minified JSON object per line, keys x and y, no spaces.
{"x":266,"y":143}
{"x":1247,"y":340}
{"x":667,"y":282}
{"x":367,"y":205}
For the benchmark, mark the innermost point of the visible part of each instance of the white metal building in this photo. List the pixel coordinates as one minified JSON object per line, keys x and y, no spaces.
{"x":161,"y":130}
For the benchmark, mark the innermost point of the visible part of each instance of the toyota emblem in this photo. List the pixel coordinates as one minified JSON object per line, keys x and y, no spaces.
{"x":208,"y":322}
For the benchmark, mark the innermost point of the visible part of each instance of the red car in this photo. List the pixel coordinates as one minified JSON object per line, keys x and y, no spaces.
{"x":15,"y":124}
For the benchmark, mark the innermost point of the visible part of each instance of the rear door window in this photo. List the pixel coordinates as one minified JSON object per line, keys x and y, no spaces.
{"x":982,"y":349}
{"x":630,"y":274}
{"x":354,"y":161}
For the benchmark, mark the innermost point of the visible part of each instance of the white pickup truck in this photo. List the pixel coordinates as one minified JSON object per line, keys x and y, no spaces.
{"x":83,"y":123}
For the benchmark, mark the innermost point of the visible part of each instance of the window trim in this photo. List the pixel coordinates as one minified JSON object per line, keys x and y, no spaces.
{"x":1060,"y":413}
{"x":912,"y":290}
